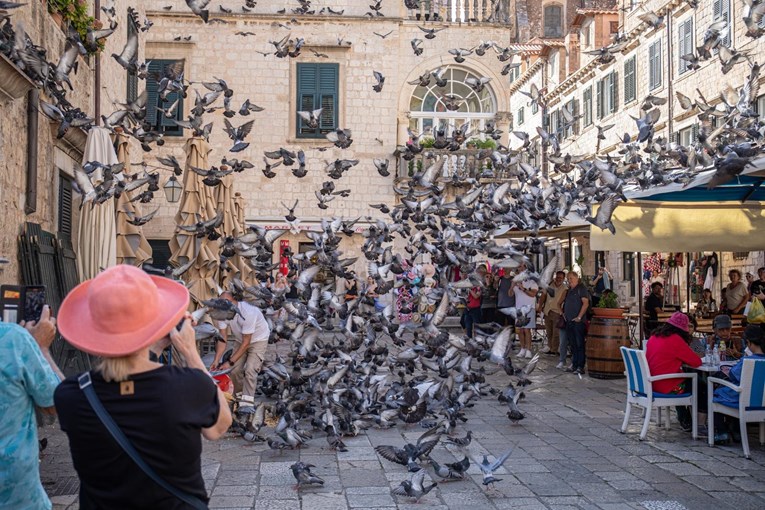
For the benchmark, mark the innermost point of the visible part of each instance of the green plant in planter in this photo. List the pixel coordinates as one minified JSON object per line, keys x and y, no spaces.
{"x":75,"y":13}
{"x":486,"y":144}
{"x":419,"y":165}
{"x":410,"y":167}
{"x":608,"y":300}
{"x":427,"y":143}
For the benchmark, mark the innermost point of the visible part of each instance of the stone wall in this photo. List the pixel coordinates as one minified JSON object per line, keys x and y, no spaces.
{"x":378,"y":121}
{"x":54,"y":156}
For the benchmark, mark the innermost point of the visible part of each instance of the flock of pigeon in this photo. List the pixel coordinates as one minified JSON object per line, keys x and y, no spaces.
{"x":351,"y":367}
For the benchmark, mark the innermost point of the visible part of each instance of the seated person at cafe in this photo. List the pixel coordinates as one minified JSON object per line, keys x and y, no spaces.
{"x":734,"y":345}
{"x":666,"y":351}
{"x":698,"y":342}
{"x":725,"y":426}
{"x":706,"y":304}
{"x":654,"y":305}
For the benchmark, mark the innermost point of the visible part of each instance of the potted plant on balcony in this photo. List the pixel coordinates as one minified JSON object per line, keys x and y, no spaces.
{"x":608,"y":306}
{"x":75,"y":13}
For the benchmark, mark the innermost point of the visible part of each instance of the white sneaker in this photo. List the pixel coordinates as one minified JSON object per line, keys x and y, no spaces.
{"x":528,"y":354}
{"x":522,"y":353}
{"x":559,"y":366}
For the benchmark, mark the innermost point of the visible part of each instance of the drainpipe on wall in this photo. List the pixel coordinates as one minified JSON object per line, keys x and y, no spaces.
{"x":33,"y":101}
{"x":97,"y":78}
{"x":670,"y":78}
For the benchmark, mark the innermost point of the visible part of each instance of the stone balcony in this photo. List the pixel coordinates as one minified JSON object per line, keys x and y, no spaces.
{"x":455,"y":165}
{"x":462,"y":11}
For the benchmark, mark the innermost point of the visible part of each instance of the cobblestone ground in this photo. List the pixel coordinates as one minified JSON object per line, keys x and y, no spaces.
{"x":568,"y":453}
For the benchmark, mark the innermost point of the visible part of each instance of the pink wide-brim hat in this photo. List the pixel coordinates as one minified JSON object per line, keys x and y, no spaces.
{"x":680,"y":321}
{"x":121,"y":311}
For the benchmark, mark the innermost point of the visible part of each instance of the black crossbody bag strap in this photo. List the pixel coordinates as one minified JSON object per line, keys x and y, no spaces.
{"x":87,"y":387}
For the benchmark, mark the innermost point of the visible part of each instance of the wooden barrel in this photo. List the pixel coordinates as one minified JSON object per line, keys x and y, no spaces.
{"x":604,"y":338}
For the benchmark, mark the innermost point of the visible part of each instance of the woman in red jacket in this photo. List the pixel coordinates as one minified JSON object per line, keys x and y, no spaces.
{"x":667,"y":350}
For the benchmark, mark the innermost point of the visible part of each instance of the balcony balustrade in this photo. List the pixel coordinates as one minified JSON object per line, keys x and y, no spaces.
{"x":462,"y":11}
{"x":455,"y":166}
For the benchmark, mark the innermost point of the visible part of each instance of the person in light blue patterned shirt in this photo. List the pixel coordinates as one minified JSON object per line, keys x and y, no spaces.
{"x":28,"y":377}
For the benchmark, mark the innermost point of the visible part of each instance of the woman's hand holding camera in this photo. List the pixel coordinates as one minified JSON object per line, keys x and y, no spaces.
{"x":185,"y":342}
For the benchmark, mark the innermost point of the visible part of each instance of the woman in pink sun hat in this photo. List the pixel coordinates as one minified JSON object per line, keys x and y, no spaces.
{"x":666,"y":352}
{"x":163,"y":411}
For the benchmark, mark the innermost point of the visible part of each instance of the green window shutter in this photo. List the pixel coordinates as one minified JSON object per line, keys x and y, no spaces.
{"x":614,"y":85}
{"x":721,"y":10}
{"x":155,"y":118}
{"x":64,"y":205}
{"x":328,"y":88}
{"x":318,"y":88}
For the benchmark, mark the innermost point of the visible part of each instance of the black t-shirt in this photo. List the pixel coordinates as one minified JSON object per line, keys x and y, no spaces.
{"x":651,"y":304}
{"x":572,"y":304}
{"x":756,"y":287}
{"x":163,"y":419}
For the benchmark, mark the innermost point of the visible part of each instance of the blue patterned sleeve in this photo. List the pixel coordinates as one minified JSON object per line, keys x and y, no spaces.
{"x":39,"y":378}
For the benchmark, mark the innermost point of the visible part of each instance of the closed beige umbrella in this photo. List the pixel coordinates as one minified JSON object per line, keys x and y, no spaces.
{"x":198,"y":203}
{"x":97,"y":239}
{"x":132,"y":246}
{"x":232,"y":205}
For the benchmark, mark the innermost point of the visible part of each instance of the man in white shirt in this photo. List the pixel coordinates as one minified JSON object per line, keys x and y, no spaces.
{"x":250,"y":331}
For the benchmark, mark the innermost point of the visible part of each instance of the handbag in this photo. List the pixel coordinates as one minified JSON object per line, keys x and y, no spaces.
{"x":86,"y":385}
{"x":561,"y":324}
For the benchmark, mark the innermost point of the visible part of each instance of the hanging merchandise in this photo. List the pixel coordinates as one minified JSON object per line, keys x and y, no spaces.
{"x":651,"y":269}
{"x":672,"y":281}
{"x":711,"y":272}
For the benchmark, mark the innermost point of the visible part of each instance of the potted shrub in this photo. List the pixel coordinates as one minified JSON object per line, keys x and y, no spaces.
{"x":427,"y":143}
{"x":608,"y":306}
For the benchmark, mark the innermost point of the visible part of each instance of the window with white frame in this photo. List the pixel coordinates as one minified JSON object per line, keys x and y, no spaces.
{"x":587,"y":106}
{"x":654,"y":65}
{"x":759,"y":106}
{"x":514,"y":73}
{"x":630,"y":79}
{"x":521,"y":116}
{"x":428,"y":109}
{"x":688,"y":136}
{"x":607,"y":95}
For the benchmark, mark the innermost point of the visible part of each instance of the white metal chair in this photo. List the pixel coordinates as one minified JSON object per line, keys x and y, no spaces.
{"x":751,"y":401}
{"x":640,"y":392}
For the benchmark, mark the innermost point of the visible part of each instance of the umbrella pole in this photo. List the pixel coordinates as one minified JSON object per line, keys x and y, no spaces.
{"x":639,"y":290}
{"x":570,"y":252}
{"x":688,"y":282}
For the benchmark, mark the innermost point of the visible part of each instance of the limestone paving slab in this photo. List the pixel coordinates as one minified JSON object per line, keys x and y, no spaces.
{"x":568,"y":453}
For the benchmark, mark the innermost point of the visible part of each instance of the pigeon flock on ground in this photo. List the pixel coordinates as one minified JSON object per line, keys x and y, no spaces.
{"x":352,"y":366}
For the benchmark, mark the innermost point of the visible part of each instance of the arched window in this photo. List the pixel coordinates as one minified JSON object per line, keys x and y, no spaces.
{"x":553,"y":21}
{"x":429,"y":110}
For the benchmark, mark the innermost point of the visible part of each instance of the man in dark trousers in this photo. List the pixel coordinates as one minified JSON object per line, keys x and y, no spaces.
{"x":575,"y":306}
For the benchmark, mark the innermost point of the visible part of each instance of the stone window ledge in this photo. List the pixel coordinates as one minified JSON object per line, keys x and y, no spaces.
{"x":14,"y":84}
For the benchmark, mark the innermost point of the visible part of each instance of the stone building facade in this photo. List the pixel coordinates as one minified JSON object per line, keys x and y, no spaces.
{"x":56,"y":158}
{"x":613,"y":93}
{"x":379,"y":121}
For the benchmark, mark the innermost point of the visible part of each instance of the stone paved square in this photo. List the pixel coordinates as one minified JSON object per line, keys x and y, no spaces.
{"x":555,"y":465}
